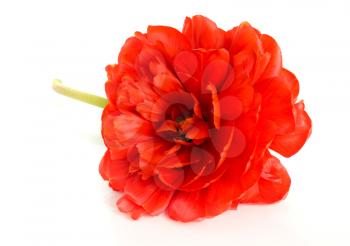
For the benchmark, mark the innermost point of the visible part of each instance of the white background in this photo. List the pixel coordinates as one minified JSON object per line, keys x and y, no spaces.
{"x":50,"y":189}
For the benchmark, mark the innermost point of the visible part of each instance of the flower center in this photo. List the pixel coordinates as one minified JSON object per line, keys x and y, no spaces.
{"x":184,"y":130}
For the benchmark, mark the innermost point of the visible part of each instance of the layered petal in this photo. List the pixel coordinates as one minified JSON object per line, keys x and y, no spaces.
{"x":144,"y":196}
{"x":130,"y":51}
{"x":274,"y":65}
{"x":126,"y":205}
{"x":130,"y":129}
{"x":115,"y":171}
{"x":203,"y":33}
{"x":289,"y":144}
{"x":291,"y":82}
{"x":272,"y":186}
{"x":158,"y":202}
{"x":171,"y":39}
{"x":187,"y":206}
{"x":277,"y":104}
{"x":244,"y":37}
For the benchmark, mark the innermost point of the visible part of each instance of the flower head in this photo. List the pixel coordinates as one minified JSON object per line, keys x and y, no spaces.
{"x":191,"y":117}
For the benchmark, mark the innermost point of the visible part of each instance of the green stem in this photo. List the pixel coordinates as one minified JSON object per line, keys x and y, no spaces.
{"x":79,"y":95}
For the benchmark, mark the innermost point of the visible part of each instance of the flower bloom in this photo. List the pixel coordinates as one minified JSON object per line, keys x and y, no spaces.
{"x":192,"y":117}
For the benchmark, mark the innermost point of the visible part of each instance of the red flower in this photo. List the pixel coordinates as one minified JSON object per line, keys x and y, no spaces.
{"x":192,"y":116}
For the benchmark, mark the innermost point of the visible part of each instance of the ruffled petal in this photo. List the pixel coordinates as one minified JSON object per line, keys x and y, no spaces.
{"x":274,"y":65}
{"x":198,"y":130}
{"x":115,"y":171}
{"x":247,"y":54}
{"x":291,"y":82}
{"x":185,"y":65}
{"x":176,"y":160}
{"x":203,"y":33}
{"x":167,"y":83}
{"x":244,"y":64}
{"x":130,"y":51}
{"x":150,"y":62}
{"x":231,"y":107}
{"x":130,"y":129}
{"x":244,"y":37}
{"x":172,"y":40}
{"x":220,"y":194}
{"x":289,"y":144}
{"x":153,"y":149}
{"x":126,"y":205}
{"x":216,"y":68}
{"x":153,"y":202}
{"x":202,"y":169}
{"x":108,"y":134}
{"x":116,"y":74}
{"x":170,"y":178}
{"x":158,"y":202}
{"x":277,"y":104}
{"x":139,"y":190}
{"x":150,"y":111}
{"x":272,"y":186}
{"x":229,"y":141}
{"x":187,"y":206}
{"x":239,"y":98}
{"x":215,"y":105}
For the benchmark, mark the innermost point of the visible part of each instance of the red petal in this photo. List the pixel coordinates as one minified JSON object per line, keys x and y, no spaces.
{"x":179,"y":159}
{"x":216,"y":68}
{"x":203,"y":33}
{"x":274,"y":66}
{"x":246,"y":169}
{"x":130,"y":129}
{"x":244,"y":37}
{"x":172,"y":178}
{"x":126,"y":205}
{"x":289,"y":144}
{"x":139,"y":190}
{"x":244,"y":63}
{"x":247,"y":54}
{"x":202,"y":170}
{"x":167,"y":82}
{"x":196,"y":107}
{"x":187,"y":206}
{"x":115,"y":171}
{"x":272,"y":186}
{"x":150,"y":111}
{"x":158,"y":202}
{"x":168,"y":126}
{"x":241,"y":99}
{"x":185,"y":65}
{"x":253,"y":168}
{"x":228,"y":141}
{"x":116,"y":74}
{"x":150,"y":62}
{"x":231,"y":107}
{"x":277,"y":104}
{"x":130,"y":51}
{"x":291,"y":82}
{"x":220,"y":194}
{"x":152,"y":149}
{"x":108,"y":134}
{"x":173,"y":41}
{"x":198,"y":130}
{"x":215,"y":105}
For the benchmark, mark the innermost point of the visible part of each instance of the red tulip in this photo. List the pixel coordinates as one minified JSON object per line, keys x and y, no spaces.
{"x":192,"y":116}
